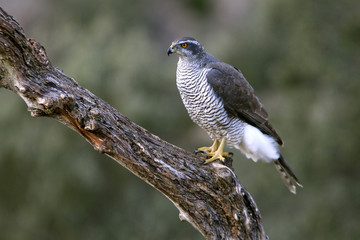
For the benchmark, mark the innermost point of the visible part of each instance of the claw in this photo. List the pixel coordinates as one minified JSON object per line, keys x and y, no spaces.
{"x":199,"y":151}
{"x":215,"y":157}
{"x":215,"y":151}
{"x":218,"y":154}
{"x":210,"y":149}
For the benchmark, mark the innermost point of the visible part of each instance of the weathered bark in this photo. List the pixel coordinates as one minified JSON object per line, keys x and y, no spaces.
{"x":209,"y":196}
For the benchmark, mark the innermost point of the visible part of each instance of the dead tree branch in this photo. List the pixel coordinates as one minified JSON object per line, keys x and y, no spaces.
{"x":209,"y":196}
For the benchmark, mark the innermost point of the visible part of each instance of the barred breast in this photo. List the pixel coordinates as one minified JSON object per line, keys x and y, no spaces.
{"x":204,"y":107}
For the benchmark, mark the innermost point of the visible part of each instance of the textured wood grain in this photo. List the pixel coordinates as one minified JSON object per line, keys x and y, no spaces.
{"x":209,"y":196}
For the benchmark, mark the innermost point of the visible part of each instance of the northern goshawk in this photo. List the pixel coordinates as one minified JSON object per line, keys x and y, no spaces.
{"x":221,"y":101}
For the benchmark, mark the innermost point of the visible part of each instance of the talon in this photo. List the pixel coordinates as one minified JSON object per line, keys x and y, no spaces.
{"x":218,"y":154}
{"x":225,"y":154}
{"x":210,"y":149}
{"x":215,"y":157}
{"x":215,"y":151}
{"x":199,"y":151}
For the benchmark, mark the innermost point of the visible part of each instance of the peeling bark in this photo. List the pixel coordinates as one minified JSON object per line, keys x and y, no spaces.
{"x":209,"y":196}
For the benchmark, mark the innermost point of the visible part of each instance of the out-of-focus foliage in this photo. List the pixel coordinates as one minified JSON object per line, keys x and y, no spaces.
{"x":302,"y":57}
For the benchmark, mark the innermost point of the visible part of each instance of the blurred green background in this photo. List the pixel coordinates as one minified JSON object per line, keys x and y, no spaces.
{"x":302,"y":57}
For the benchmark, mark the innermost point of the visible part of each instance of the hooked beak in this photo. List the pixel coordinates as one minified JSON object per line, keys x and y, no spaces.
{"x":170,"y":50}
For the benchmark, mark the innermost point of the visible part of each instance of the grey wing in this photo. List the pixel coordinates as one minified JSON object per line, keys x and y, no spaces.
{"x":239,"y":97}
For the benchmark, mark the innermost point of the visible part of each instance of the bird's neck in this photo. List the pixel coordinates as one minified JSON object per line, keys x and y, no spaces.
{"x":187,"y":63}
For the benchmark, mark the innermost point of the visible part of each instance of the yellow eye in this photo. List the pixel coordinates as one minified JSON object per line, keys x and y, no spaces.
{"x":184,"y":45}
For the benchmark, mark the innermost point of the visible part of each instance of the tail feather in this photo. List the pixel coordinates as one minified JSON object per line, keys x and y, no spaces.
{"x":287,"y":174}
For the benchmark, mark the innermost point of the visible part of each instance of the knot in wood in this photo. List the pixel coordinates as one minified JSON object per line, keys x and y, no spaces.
{"x":224,"y":172}
{"x":67,"y":99}
{"x":90,"y":125}
{"x":91,"y":121}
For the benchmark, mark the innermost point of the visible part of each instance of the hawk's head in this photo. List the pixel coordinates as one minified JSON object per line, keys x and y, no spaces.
{"x":186,"y":47}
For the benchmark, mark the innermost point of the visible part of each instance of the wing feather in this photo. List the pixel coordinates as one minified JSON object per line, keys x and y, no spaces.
{"x":239,"y":97}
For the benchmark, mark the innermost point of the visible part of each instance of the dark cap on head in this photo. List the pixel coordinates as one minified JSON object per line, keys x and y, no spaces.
{"x":185,"y":39}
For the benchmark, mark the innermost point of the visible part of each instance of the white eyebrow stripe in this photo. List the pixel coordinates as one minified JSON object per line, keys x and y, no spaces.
{"x":190,"y":41}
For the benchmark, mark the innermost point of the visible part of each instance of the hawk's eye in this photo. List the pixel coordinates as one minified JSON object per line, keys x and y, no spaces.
{"x":184,"y":45}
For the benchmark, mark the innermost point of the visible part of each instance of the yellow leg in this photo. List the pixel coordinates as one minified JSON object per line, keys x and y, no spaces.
{"x":210,"y":149}
{"x":219,"y":153}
